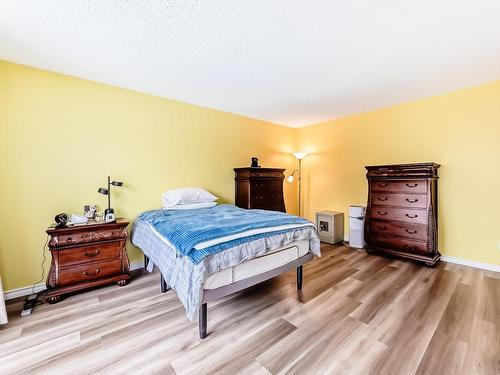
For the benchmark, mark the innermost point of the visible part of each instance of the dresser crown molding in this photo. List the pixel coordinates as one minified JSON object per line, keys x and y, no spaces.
{"x":428,"y":169}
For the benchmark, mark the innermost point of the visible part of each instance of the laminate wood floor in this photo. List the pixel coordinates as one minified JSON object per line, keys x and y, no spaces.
{"x":357,"y":314}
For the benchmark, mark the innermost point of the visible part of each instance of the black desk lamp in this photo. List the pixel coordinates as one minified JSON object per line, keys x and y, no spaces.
{"x":109,"y":211}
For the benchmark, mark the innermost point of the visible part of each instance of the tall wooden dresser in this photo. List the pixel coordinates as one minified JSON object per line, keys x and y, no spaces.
{"x":401,"y":216}
{"x":260,"y":188}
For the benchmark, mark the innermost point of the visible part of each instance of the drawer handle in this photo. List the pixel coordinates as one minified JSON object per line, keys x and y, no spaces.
{"x":382,"y":185}
{"x":383,"y":213}
{"x":411,"y":217}
{"x":411,"y":248}
{"x":411,"y":231}
{"x":383,"y":199}
{"x":381,"y":227}
{"x":87,"y":254}
{"x":90,"y":274}
{"x":412,"y":185}
{"x":411,"y":200}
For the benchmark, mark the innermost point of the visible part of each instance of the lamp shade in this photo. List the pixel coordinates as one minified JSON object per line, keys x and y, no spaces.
{"x":103,"y":191}
{"x":300,"y":155}
{"x":116,"y":183}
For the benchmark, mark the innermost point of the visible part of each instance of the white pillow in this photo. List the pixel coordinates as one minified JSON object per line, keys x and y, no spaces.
{"x":186,"y":196}
{"x":192,"y":206}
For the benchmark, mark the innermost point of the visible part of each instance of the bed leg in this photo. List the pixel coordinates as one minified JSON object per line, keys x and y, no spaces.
{"x":163,"y":284}
{"x":299,"y":277}
{"x":146,"y":261}
{"x":202,"y":323}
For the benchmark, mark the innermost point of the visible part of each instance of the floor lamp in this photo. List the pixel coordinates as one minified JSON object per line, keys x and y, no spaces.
{"x":299,"y":156}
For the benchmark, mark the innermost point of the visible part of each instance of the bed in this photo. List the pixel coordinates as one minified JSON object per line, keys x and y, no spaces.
{"x":207,"y":253}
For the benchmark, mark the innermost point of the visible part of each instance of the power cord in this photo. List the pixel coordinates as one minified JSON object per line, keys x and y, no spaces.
{"x":32,"y":300}
{"x":41,"y":265}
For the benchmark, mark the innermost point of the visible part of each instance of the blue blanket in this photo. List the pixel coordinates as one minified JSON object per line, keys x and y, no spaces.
{"x":184,"y":229}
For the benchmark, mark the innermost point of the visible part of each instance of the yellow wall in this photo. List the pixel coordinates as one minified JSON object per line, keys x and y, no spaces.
{"x":61,"y":136}
{"x":460,"y":130}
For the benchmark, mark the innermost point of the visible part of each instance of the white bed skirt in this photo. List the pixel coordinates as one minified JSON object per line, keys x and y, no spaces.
{"x":3,"y":312}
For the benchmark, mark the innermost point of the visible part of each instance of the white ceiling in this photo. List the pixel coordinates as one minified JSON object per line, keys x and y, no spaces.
{"x":294,"y":62}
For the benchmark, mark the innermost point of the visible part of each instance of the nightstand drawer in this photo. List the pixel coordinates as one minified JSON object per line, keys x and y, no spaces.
{"x":89,"y":272}
{"x":72,"y":237}
{"x":85,"y":254}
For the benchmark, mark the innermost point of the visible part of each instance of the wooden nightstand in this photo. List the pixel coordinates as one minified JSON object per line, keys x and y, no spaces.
{"x":85,"y":256}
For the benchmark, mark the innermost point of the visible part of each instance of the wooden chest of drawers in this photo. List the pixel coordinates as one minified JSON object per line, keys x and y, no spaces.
{"x":260,"y":188}
{"x":401,"y":215}
{"x":86,"y":256}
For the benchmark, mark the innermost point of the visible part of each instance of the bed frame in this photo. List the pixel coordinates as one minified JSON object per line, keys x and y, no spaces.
{"x":213,"y":294}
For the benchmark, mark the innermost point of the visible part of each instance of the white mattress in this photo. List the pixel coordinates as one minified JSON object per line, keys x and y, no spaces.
{"x":264,"y":263}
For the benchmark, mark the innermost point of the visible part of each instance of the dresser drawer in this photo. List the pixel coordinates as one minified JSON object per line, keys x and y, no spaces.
{"x":404,"y":186}
{"x":397,"y":243}
{"x":416,"y":232}
{"x":257,"y":174}
{"x":270,"y":207}
{"x":399,"y":214}
{"x":85,"y":254}
{"x":267,"y":198}
{"x":267,"y":186}
{"x":89,"y":272}
{"x":399,"y":200}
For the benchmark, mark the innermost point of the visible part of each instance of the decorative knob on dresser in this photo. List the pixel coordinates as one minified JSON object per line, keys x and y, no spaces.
{"x":85,"y":256}
{"x":401,"y":215}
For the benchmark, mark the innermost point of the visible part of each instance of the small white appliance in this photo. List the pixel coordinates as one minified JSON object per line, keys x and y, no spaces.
{"x":330,"y":226}
{"x":356,"y":226}
{"x":109,"y":217}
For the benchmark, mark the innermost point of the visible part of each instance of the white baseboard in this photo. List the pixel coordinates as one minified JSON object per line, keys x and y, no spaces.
{"x":27,"y":290}
{"x":471,"y":263}
{"x":21,"y":292}
{"x":136,"y":265}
